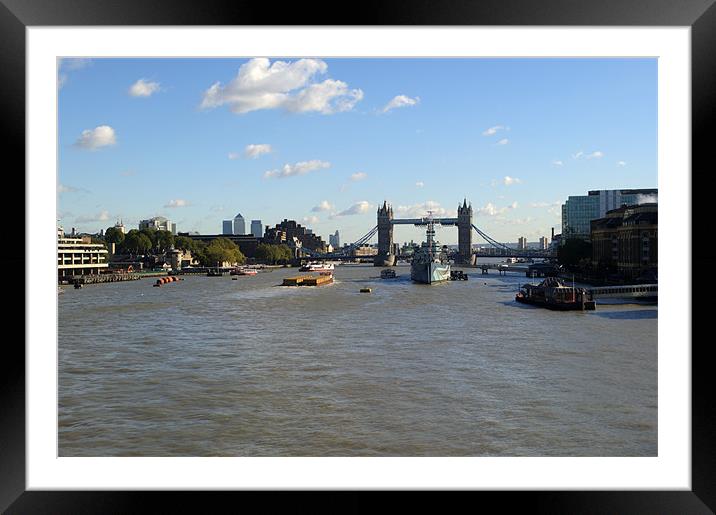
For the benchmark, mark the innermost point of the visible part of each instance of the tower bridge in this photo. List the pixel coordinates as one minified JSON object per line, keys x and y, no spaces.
{"x":465,"y":255}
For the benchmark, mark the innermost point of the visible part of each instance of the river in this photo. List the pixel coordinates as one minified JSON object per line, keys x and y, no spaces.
{"x":211,"y":366}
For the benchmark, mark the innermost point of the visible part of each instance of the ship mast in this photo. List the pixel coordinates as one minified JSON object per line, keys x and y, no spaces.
{"x":430,"y":233}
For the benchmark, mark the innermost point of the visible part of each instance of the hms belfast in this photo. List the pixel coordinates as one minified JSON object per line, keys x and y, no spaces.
{"x":430,"y":263}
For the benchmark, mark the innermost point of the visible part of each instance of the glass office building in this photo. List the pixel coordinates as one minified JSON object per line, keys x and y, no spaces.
{"x":579,"y":211}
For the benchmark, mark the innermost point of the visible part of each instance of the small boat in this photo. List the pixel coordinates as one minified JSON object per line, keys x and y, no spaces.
{"x":387,"y":273}
{"x":243,"y":271}
{"x":317,"y":267}
{"x":365,"y":290}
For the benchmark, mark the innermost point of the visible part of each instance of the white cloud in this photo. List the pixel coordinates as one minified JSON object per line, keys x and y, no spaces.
{"x":177,"y":203}
{"x":358,"y":176}
{"x":103,"y":216}
{"x":621,"y":163}
{"x":300,"y":168}
{"x":65,"y":65}
{"x":491,"y":209}
{"x":74,"y":63}
{"x":546,"y":204}
{"x":508,"y":181}
{"x":282,"y":85}
{"x":92,"y":139}
{"x":143,"y":88}
{"x":323,"y":206}
{"x":400,"y":101}
{"x":493,"y":130}
{"x":255,"y":151}
{"x":62,"y":188}
{"x":420,"y":184}
{"x":593,"y":155}
{"x":310,"y":219}
{"x":421,"y":210}
{"x":557,"y":162}
{"x":356,"y":209}
{"x":234,"y":155}
{"x":503,"y":141}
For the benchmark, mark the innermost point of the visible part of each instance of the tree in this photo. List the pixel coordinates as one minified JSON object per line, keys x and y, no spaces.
{"x":151,"y":234}
{"x":165,"y":240}
{"x":222,"y":250}
{"x":185,"y":243}
{"x":574,"y":252}
{"x":114,"y":235}
{"x":273,"y":254}
{"x":137,"y":242}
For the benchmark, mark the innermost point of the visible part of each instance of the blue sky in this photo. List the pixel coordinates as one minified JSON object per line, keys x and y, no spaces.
{"x":324,"y":141}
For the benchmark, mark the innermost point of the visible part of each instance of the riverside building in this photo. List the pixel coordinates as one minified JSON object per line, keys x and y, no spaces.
{"x":79,"y":256}
{"x":626,"y":241}
{"x":578,"y":211}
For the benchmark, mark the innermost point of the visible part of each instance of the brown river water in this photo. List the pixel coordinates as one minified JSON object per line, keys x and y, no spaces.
{"x":211,"y":366}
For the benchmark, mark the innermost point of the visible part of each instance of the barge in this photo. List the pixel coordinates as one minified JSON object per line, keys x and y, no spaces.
{"x":553,"y":294}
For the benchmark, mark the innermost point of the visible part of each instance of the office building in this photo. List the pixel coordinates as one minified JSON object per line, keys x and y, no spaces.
{"x":159,"y":223}
{"x":543,"y":243}
{"x":579,"y":211}
{"x":227,"y":227}
{"x":335,"y":240}
{"x":239,"y":225}
{"x":522,"y":243}
{"x":257,"y":229}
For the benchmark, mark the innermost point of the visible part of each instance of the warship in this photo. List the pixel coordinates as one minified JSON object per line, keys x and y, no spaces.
{"x":430,"y":263}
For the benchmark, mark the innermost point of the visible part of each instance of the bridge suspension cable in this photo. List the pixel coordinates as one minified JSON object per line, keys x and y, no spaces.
{"x":509,"y":249}
{"x":360,"y":241}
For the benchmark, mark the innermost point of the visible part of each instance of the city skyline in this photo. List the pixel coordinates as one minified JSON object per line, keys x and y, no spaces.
{"x":325,"y":141}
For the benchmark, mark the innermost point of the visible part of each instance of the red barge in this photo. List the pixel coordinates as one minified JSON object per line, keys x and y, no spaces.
{"x":553,"y":294}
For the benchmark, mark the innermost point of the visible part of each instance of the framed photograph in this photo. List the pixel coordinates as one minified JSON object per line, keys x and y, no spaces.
{"x":418,"y":251}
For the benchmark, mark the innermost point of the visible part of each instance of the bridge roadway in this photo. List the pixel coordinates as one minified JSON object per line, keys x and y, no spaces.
{"x":423,"y":221}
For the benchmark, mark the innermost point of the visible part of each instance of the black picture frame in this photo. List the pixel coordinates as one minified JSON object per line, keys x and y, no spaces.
{"x":16,"y":15}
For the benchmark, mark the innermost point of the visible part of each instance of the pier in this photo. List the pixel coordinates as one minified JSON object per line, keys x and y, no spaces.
{"x":101,"y":278}
{"x":626,"y":291}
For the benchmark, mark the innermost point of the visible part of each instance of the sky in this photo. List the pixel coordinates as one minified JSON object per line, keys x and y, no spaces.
{"x":326,"y":141}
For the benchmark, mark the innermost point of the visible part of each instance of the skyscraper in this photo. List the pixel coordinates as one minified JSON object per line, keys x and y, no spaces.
{"x":335,"y":240}
{"x":256,"y":228}
{"x":227,"y":227}
{"x":239,"y":224}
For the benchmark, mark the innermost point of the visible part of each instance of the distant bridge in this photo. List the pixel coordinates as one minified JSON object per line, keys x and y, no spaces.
{"x":464,"y":255}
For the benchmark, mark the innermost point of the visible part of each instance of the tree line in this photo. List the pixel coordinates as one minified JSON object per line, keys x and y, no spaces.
{"x":220,"y":250}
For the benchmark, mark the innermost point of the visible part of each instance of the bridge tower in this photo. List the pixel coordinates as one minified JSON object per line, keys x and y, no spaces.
{"x":464,"y":234}
{"x":385,"y":236}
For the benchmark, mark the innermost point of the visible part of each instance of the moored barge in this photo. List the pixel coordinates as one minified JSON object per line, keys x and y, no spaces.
{"x":553,"y":294}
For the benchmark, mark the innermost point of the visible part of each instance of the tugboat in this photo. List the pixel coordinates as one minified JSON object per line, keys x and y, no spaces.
{"x":553,"y":294}
{"x":430,"y":264}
